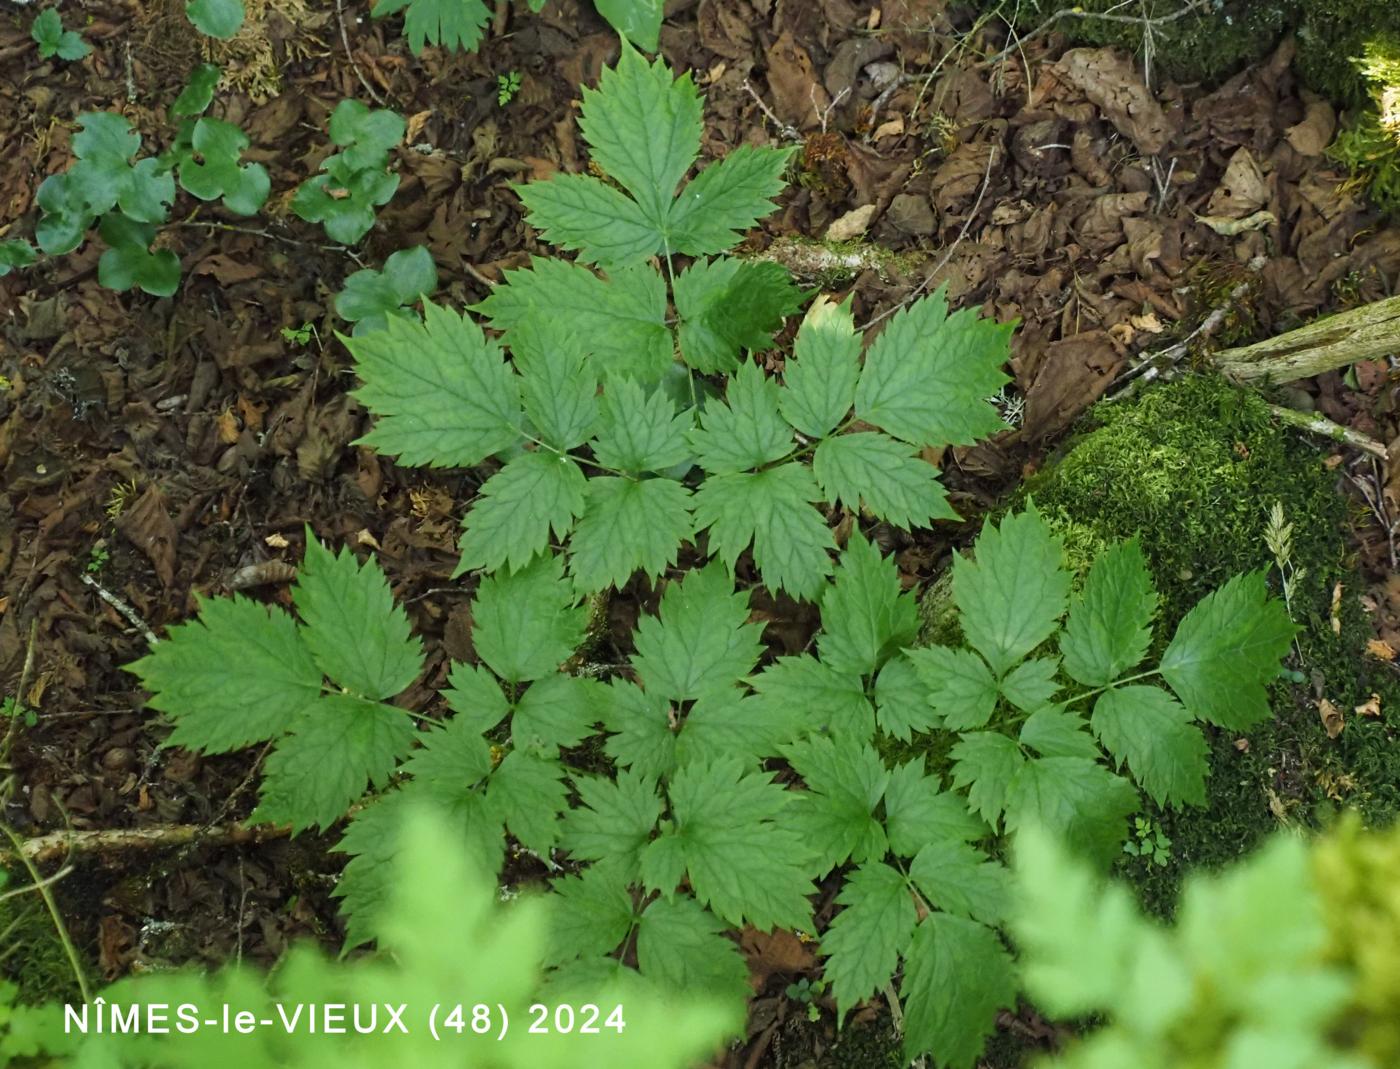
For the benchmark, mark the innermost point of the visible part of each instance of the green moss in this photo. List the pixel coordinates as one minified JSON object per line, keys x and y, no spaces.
{"x":31,"y":955}
{"x":1211,"y":44}
{"x":1192,"y":469}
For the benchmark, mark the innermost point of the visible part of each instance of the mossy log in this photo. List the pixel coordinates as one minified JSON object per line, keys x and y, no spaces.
{"x":1364,"y":333}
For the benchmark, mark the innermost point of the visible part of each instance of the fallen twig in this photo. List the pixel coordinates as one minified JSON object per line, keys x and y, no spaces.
{"x":345,"y":40}
{"x":131,"y":615}
{"x":58,"y":844}
{"x":1315,"y":424}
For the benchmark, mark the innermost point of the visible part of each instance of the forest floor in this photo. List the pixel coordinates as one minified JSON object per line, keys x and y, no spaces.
{"x":160,"y":449}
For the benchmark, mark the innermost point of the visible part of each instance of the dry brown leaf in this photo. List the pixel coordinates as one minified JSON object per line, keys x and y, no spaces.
{"x":851,"y":225}
{"x":1112,"y":82}
{"x":1370,"y":707}
{"x":779,"y":952}
{"x":892,"y":128}
{"x":1242,"y":190}
{"x":149,"y":527}
{"x":1380,"y":649}
{"x":1312,"y":136}
{"x":798,"y":96}
{"x":1228,"y":227}
{"x":1333,"y":720}
{"x":228,"y":428}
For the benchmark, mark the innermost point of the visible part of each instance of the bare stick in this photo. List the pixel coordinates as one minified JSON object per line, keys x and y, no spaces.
{"x":345,"y":40}
{"x":1155,"y":363}
{"x":131,"y":615}
{"x":1364,"y":333}
{"x":45,"y":848}
{"x":18,"y":709}
{"x":1315,"y":424}
{"x":789,"y":132}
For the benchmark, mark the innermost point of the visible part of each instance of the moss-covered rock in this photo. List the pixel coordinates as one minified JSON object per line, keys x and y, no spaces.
{"x":1192,"y":469}
{"x":1211,"y":44}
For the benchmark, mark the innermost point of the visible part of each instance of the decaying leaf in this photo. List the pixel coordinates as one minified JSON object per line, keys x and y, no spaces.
{"x":1229,"y":227}
{"x":1333,"y":720}
{"x":1242,"y":191}
{"x":851,"y":225}
{"x":1370,"y":707}
{"x":1380,"y":649}
{"x":1110,"y":80}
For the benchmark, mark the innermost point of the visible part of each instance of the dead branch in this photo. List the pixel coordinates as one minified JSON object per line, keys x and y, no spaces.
{"x":55,"y":845}
{"x":1315,"y":424}
{"x":1364,"y":333}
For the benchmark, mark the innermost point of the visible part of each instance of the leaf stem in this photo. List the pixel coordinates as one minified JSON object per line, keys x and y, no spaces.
{"x":1115,"y":683}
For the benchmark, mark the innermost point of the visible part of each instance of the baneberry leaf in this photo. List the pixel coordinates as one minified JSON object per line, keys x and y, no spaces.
{"x":1078,"y":799}
{"x":620,"y":320}
{"x":863,"y":941}
{"x":474,"y":694}
{"x":745,"y":430}
{"x":773,"y":510}
{"x":700,"y":638}
{"x":682,"y":946}
{"x":1110,"y":624}
{"x":441,"y":392}
{"x":589,"y":914}
{"x":526,"y":623}
{"x":927,"y":376}
{"x":1146,"y":728}
{"x":957,"y":975}
{"x":358,"y":635}
{"x":728,"y":306}
{"x":816,"y":697}
{"x":528,"y":792}
{"x":960,"y":687}
{"x":558,"y":710}
{"x":456,"y":25}
{"x":580,"y":213}
{"x":517,"y":509}
{"x":640,"y":722}
{"x":1031,"y":684}
{"x":887,"y":476}
{"x":1055,"y":732}
{"x":727,"y":723}
{"x":337,"y":746}
{"x":961,"y":880}
{"x":836,"y":814}
{"x":866,"y":617}
{"x":986,"y":762}
{"x":725,"y":199}
{"x":235,"y":676}
{"x":628,"y":525}
{"x":613,"y":821}
{"x":819,"y":382}
{"x":1224,"y":651}
{"x":1011,"y":599}
{"x":919,"y":812}
{"x":640,"y":431}
{"x":901,"y":700}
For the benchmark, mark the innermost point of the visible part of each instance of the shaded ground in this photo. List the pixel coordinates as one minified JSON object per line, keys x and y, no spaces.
{"x":162,"y":447}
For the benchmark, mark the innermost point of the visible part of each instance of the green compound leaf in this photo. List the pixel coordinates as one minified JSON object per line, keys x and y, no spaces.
{"x":628,"y":525}
{"x":338,"y":745}
{"x":359,"y":637}
{"x":731,"y":835}
{"x":642,"y":738}
{"x":15,"y":253}
{"x":728,"y":723}
{"x":475,"y":695}
{"x":961,"y":880}
{"x":1078,"y":799}
{"x":959,"y":686}
{"x":528,"y":792}
{"x":772,"y":509}
{"x":589,"y":914}
{"x":620,"y":320}
{"x":370,"y":297}
{"x":1031,"y":684}
{"x":889,"y":477}
{"x":196,"y":97}
{"x":957,"y":975}
{"x":986,"y":762}
{"x":555,"y":711}
{"x":863,"y":942}
{"x":220,"y":145}
{"x":526,"y":623}
{"x":580,"y":213}
{"x":682,"y":946}
{"x":643,"y":128}
{"x":456,"y":25}
{"x":236,"y":676}
{"x":927,"y":376}
{"x":727,"y":306}
{"x":819,"y":382}
{"x":700,"y":638}
{"x":614,"y":820}
{"x":837,"y":812}
{"x":919,"y":812}
{"x":1146,"y":728}
{"x":517,"y":508}
{"x":1110,"y":623}
{"x":637,"y":20}
{"x":641,"y":432}
{"x":216,"y":18}
{"x":558,"y":384}
{"x":442,"y":393}
{"x":726,"y":199}
{"x":451,"y":760}
{"x":901,"y":700}
{"x":130,"y":263}
{"x":1055,"y":732}
{"x":1224,"y":651}
{"x":53,"y":40}
{"x":1013,"y":596}
{"x":816,"y":697}
{"x":866,"y":618}
{"x":745,"y":431}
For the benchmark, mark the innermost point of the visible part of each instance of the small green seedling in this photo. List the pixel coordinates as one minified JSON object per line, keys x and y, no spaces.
{"x":53,"y":40}
{"x":370,"y":296}
{"x":301,"y":335}
{"x":12,"y":708}
{"x":808,"y":993}
{"x":507,"y":85}
{"x":1149,"y":841}
{"x":356,"y":179}
{"x":97,"y":558}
